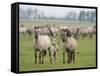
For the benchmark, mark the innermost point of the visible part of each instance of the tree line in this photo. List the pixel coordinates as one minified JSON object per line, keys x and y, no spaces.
{"x":83,"y":15}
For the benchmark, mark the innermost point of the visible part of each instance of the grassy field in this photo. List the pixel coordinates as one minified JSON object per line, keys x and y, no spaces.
{"x":56,"y":22}
{"x":85,"y":55}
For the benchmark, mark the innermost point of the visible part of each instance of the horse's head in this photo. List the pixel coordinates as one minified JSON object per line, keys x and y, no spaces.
{"x":68,"y":33}
{"x":36,"y":32}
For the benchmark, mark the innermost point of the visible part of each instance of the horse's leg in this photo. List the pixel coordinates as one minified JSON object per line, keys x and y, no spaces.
{"x":52,"y":58}
{"x":73,"y":56}
{"x":91,"y":35}
{"x":69,"y":56}
{"x":55,"y":56}
{"x":63,"y":56}
{"x":40,"y":57}
{"x":68,"y":61}
{"x":43,"y":54}
{"x":50,"y":55}
{"x":35,"y":57}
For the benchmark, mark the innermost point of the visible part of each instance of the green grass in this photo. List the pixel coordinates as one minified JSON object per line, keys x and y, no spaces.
{"x":85,"y":55}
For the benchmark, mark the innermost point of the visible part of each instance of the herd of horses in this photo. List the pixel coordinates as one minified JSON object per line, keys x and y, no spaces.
{"x":46,"y":40}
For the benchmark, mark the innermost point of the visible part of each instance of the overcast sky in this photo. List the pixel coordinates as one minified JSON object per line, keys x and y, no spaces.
{"x":55,"y":11}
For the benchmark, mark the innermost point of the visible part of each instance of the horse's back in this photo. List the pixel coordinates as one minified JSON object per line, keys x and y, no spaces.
{"x":44,"y":42}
